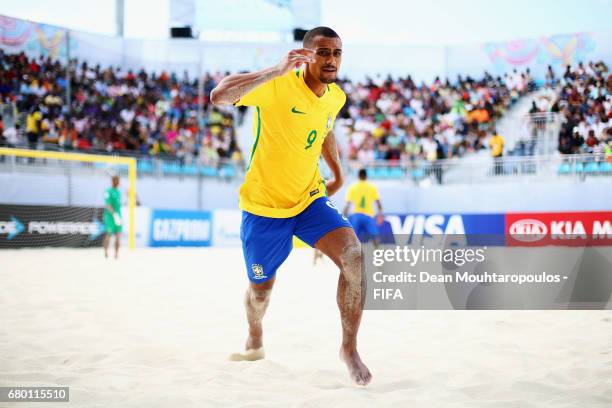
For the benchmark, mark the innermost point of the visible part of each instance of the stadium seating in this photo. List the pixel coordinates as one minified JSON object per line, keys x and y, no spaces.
{"x":588,"y":168}
{"x":113,"y":111}
{"x":388,"y":120}
{"x":385,"y":120}
{"x":585,"y":104}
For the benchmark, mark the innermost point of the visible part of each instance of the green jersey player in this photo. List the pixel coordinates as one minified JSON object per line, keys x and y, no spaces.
{"x":112,"y":216}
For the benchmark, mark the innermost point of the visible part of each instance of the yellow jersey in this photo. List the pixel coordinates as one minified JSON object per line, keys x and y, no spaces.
{"x":32,"y":122}
{"x":290,"y":123}
{"x":363,"y":195}
{"x":496,"y":143}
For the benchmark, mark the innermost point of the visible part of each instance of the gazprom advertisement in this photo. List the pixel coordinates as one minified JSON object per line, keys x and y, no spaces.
{"x":180,"y":228}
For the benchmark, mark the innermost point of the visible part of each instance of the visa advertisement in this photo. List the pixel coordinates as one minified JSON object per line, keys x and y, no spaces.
{"x":477,"y":229}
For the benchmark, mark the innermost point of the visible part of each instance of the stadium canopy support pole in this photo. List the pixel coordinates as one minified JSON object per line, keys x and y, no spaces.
{"x":132,"y":200}
{"x":68,"y":90}
{"x":130,"y":162}
{"x":200,"y":101}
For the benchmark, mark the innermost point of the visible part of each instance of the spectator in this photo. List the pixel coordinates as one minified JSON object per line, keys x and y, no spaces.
{"x":598,"y":150}
{"x":496,"y":144}
{"x":577,"y":142}
{"x":33,"y":125}
{"x":11,"y":135}
{"x":565,"y":146}
{"x":550,"y":77}
{"x":608,"y":150}
{"x":3,"y":139}
{"x":431,"y":150}
{"x":591,"y":140}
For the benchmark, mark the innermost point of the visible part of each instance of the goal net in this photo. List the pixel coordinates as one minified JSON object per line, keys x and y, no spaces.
{"x":57,"y":199}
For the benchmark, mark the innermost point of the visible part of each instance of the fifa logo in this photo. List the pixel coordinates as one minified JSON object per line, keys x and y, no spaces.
{"x":329,"y":121}
{"x":258,"y":271}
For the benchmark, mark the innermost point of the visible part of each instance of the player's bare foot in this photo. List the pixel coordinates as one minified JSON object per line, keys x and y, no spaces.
{"x":254,"y":350}
{"x":249,"y":355}
{"x":357,"y":370}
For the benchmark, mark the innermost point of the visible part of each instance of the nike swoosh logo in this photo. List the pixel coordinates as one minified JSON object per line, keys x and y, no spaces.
{"x":294,"y":110}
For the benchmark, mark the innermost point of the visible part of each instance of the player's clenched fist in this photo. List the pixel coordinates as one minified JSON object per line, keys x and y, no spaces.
{"x":294,"y":59}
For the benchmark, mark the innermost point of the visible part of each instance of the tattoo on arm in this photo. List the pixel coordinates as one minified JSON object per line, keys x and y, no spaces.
{"x":234,"y":87}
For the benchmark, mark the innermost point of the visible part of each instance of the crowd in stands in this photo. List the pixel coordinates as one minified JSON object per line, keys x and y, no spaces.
{"x":398,"y":119}
{"x":112,"y":110}
{"x":117,"y":110}
{"x":585,"y":103}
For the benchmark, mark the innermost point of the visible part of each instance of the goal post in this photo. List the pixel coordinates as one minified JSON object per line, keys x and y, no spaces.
{"x":129,"y":162}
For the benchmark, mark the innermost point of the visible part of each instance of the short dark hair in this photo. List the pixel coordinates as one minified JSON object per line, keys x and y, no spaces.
{"x":323,"y":31}
{"x":363,"y":174}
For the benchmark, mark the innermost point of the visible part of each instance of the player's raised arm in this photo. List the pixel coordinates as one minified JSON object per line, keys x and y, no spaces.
{"x":331,"y":157}
{"x":233,"y":87}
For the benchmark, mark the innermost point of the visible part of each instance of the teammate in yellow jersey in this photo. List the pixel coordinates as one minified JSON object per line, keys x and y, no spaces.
{"x":295,"y":104}
{"x":362,"y":195}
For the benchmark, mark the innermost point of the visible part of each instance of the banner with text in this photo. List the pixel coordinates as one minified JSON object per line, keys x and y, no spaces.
{"x":592,"y":228}
{"x":448,"y":272}
{"x":171,"y":228}
{"x":35,"y":226}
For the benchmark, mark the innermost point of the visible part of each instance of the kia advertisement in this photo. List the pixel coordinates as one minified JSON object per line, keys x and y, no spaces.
{"x":559,"y":229}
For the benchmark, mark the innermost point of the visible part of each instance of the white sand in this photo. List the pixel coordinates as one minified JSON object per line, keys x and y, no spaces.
{"x":155,"y":329}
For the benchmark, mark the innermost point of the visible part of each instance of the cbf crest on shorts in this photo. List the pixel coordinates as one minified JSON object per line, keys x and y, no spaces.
{"x":258,"y":272}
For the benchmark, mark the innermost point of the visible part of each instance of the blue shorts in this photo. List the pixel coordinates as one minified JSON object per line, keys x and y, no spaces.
{"x":364,"y":226}
{"x":267,"y":242}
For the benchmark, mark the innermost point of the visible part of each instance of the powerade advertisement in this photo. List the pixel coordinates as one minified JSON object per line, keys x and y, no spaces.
{"x":24,"y":226}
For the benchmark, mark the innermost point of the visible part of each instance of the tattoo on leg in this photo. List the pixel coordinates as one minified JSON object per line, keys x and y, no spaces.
{"x":351,"y":269}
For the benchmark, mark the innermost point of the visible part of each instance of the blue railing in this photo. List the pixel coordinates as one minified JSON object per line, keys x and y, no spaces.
{"x":448,"y":171}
